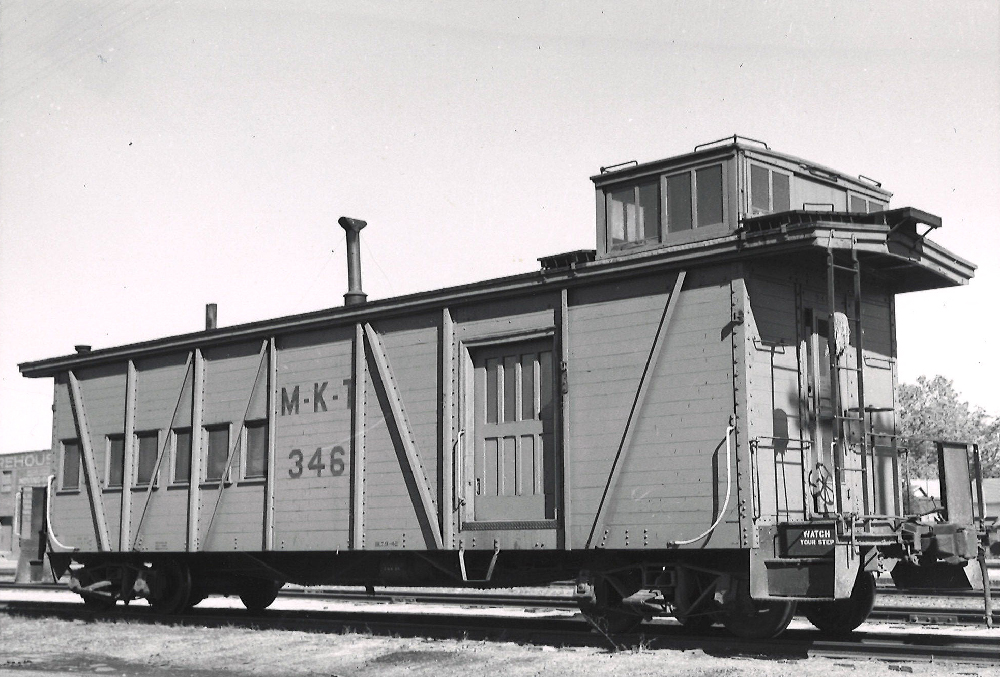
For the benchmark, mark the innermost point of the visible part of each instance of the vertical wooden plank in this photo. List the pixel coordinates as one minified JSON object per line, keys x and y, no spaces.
{"x":89,"y":465}
{"x":197,"y":443}
{"x":358,"y":394}
{"x":447,"y":429}
{"x":602,"y":226}
{"x":562,"y":439}
{"x":272,"y":420}
{"x":125,"y":529}
{"x":740,"y":303}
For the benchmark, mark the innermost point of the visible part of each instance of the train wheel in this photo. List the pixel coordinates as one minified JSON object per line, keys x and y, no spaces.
{"x":607,"y":613}
{"x":843,"y":616}
{"x":169,"y":587}
{"x":751,"y":619}
{"x":257,"y":595}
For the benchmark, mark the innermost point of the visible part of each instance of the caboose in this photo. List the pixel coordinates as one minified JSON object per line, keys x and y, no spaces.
{"x":697,"y":418}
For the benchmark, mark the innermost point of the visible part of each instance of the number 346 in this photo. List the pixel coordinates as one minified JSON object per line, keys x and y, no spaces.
{"x":316,"y":462}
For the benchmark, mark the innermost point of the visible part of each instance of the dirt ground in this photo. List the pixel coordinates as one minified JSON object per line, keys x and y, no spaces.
{"x":29,"y":648}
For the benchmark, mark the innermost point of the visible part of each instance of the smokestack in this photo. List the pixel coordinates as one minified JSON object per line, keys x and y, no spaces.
{"x":352,"y":227}
{"x":211,"y":316}
{"x":82,"y":348}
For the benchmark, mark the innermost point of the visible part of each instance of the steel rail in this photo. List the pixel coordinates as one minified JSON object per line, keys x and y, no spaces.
{"x":919,"y":615}
{"x":556,"y":632}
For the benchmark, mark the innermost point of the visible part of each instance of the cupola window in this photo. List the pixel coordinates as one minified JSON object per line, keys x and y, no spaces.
{"x":634,"y":214}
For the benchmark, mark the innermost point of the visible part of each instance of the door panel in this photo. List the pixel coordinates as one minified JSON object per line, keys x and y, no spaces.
{"x":514,"y":460}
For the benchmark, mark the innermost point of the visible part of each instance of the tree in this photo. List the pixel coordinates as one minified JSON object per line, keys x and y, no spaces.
{"x":933,"y":410}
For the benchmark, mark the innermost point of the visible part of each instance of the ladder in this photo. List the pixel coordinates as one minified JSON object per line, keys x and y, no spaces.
{"x":843,"y":415}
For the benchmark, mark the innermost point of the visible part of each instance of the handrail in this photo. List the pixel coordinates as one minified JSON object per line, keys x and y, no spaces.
{"x":458,"y":474}
{"x":49,"y":536}
{"x":736,"y":139}
{"x":729,"y":487}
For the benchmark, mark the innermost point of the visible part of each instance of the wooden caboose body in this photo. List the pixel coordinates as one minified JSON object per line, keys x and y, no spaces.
{"x":705,"y":402}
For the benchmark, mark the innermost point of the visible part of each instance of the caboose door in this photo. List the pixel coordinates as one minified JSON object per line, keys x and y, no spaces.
{"x":514,"y":458}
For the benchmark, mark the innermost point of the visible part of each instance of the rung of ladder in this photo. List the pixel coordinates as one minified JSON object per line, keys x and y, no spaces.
{"x":850,"y":418}
{"x":839,"y":368}
{"x":837,"y":266}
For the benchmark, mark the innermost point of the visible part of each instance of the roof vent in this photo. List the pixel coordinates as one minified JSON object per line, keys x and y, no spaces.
{"x":567,"y":259}
{"x":82,"y":348}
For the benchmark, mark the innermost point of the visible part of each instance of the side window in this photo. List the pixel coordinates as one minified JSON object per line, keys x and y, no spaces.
{"x":218,"y":451}
{"x":679,"y":203}
{"x":695,"y":199}
{"x":633,"y":214}
{"x":70,"y":465}
{"x":147,"y":447}
{"x":182,"y":455}
{"x":861,"y":205}
{"x":770,"y":190}
{"x":6,"y":481}
{"x":116,"y":461}
{"x":709,"y":194}
{"x":256,"y":449}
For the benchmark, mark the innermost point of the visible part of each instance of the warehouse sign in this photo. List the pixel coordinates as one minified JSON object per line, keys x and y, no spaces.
{"x":28,"y":462}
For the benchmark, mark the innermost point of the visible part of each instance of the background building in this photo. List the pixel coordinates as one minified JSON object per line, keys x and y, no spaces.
{"x":23,"y":478}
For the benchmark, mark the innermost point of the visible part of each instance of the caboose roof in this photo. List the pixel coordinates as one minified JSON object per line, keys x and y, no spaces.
{"x":730,"y":146}
{"x":891,"y":244}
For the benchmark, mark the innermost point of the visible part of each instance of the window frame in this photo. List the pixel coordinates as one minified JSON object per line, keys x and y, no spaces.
{"x":771,"y":171}
{"x":855,"y":195}
{"x":245,"y":446}
{"x":663,"y":233}
{"x":657,"y":237}
{"x":108,"y":439}
{"x":227,"y":477}
{"x":174,"y":480}
{"x":154,"y":478}
{"x":62,"y":464}
{"x":692,"y":173}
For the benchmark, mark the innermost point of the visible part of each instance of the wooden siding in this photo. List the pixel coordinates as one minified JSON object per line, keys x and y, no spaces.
{"x":311,"y":512}
{"x":394,"y":515}
{"x":777,"y":377}
{"x":72,"y":519}
{"x":235,"y":382}
{"x":163,"y":386}
{"x":775,"y":397}
{"x":670,"y":481}
{"x":103,"y":393}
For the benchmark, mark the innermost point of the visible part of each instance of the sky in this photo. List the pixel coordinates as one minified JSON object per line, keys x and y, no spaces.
{"x":158,"y":156}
